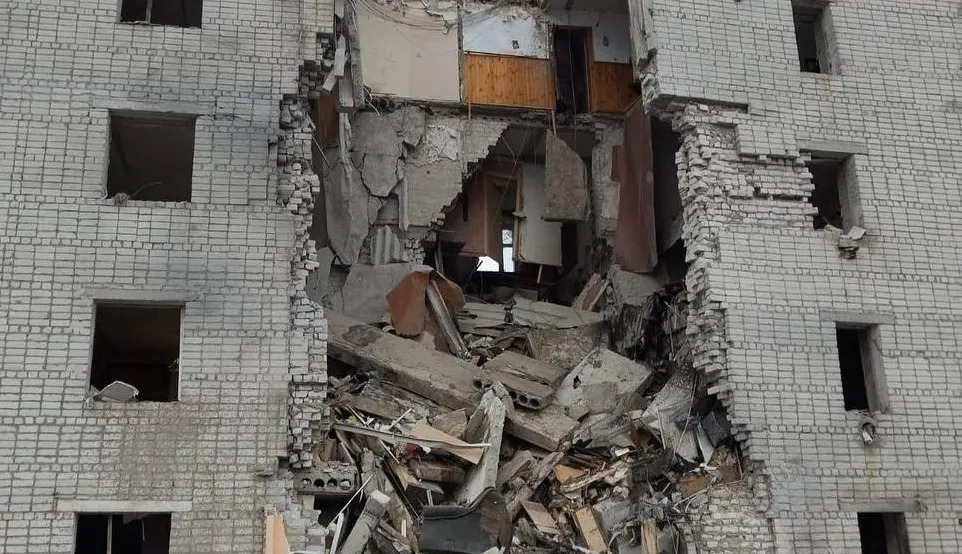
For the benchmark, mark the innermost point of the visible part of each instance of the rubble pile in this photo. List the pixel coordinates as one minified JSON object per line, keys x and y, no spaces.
{"x":463,"y":426}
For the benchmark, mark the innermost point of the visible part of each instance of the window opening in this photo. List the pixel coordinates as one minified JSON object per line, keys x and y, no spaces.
{"x":134,"y":533}
{"x":138,"y":345}
{"x":883,"y":533}
{"x":175,"y":13}
{"x":151,"y":156}
{"x":862,"y":383}
{"x":813,"y":38}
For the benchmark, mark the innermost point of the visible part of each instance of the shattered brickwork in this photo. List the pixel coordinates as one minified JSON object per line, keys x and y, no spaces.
{"x":766,"y":288}
{"x":227,"y":253}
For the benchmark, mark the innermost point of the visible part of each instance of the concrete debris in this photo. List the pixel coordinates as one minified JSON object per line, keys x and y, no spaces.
{"x":364,"y":295}
{"x":601,"y":378}
{"x":565,"y":182}
{"x":613,"y":456}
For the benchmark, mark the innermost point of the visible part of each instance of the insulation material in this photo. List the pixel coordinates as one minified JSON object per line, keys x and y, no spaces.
{"x":386,"y":247}
{"x":346,"y":205}
{"x":566,"y":182}
{"x":538,"y":240}
{"x":413,"y":54}
{"x":509,"y":30}
{"x":635,"y":239}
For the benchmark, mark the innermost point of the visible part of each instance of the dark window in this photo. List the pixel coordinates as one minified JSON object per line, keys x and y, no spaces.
{"x":177,"y":13}
{"x":571,"y":68}
{"x":136,"y":533}
{"x":151,"y":156}
{"x":836,"y":191}
{"x":816,"y":45}
{"x":138,"y":345}
{"x":825,"y":176}
{"x":883,"y":533}
{"x":862,"y":383}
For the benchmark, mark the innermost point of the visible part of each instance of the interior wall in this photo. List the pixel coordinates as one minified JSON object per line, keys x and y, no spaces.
{"x":411,"y":55}
{"x":509,"y":30}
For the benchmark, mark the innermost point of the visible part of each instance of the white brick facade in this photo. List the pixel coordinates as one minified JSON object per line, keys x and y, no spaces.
{"x":769,"y":288}
{"x":63,"y":65}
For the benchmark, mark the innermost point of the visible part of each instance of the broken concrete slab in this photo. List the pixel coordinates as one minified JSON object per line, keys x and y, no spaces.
{"x":635,"y":288}
{"x":675,"y":400}
{"x":600,"y":379}
{"x":566,"y":348}
{"x":452,"y":423}
{"x":530,"y":382}
{"x":374,"y":508}
{"x":490,"y":416}
{"x":565,"y":183}
{"x":434,"y":375}
{"x":525,"y":312}
{"x":366,"y":289}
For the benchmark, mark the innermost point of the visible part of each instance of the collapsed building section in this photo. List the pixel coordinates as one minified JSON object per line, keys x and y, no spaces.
{"x":504,"y":289}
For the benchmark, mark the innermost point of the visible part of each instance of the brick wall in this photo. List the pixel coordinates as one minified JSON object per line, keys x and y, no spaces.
{"x":767,"y":286}
{"x":63,"y":65}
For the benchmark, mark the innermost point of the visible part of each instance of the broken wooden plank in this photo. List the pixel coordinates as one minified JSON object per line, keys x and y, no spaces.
{"x":275,"y":538}
{"x":565,"y":473}
{"x":467,"y":452}
{"x":421,"y":435}
{"x":649,"y":536}
{"x":436,"y":376}
{"x":541,"y":518}
{"x":589,"y":296}
{"x":590,"y":531}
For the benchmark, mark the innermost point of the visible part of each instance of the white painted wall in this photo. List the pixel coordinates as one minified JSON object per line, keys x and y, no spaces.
{"x":410,"y":55}
{"x":496,"y":30}
{"x":539,"y":241}
{"x":605,"y":27}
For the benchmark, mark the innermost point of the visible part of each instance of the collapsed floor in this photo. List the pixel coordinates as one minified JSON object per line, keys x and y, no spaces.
{"x":508,"y":360}
{"x":521,"y":427}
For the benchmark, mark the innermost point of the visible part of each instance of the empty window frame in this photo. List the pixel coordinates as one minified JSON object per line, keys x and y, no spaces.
{"x":835,"y":194}
{"x":138,"y":345}
{"x":151,"y":156}
{"x":883,"y":533}
{"x":135,"y":533}
{"x":176,"y":13}
{"x":814,"y":37}
{"x":488,"y":264}
{"x":571,"y":68}
{"x":859,"y":359}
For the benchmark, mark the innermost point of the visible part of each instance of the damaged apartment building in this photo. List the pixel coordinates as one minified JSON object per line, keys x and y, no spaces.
{"x":401,"y":276}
